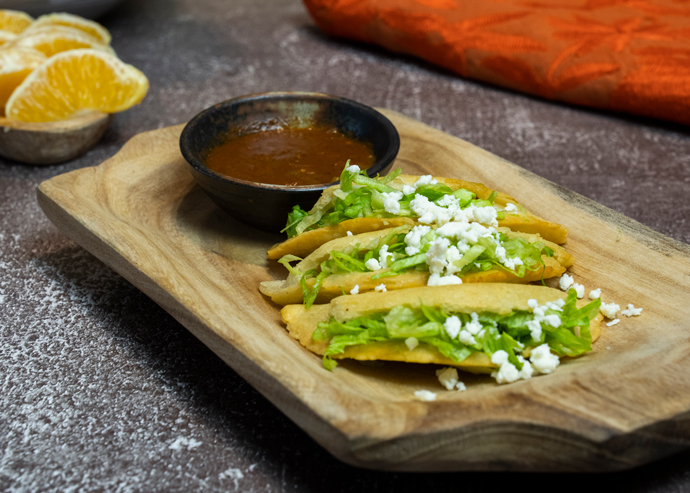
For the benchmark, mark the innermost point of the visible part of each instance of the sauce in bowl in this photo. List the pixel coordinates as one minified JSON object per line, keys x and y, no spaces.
{"x":290,"y":156}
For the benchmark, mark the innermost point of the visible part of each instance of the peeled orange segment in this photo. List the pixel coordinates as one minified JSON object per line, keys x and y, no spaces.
{"x":6,"y":37}
{"x":56,"y":30}
{"x":57,"y":41}
{"x":14,"y":21}
{"x":76,"y":81}
{"x":15,"y":65}
{"x":92,"y":28}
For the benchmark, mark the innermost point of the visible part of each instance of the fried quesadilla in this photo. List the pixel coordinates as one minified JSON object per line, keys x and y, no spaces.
{"x":512,"y":330}
{"x":360,"y":204}
{"x":407,"y":257}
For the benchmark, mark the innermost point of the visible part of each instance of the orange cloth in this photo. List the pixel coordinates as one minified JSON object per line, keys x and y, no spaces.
{"x":625,"y":55}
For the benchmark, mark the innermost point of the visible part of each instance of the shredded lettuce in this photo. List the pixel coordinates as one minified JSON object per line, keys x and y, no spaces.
{"x":361,"y":196}
{"x":464,"y":196}
{"x":294,"y":218}
{"x":507,"y":332}
{"x":285,"y":261}
{"x":480,"y":257}
{"x":310,"y":294}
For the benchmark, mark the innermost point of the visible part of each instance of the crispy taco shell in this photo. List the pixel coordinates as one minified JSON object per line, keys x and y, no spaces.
{"x":289,"y":291}
{"x":521,"y":220}
{"x":467,"y":298}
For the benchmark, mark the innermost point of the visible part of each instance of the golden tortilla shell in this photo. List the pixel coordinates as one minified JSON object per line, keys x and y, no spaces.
{"x":521,"y":220}
{"x":289,"y":291}
{"x":497,"y":298}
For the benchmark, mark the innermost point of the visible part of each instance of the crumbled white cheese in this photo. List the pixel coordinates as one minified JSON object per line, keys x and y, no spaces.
{"x":527,"y":370}
{"x":384,"y":254}
{"x":579,"y":290}
{"x":555,"y":305}
{"x":540,"y":316}
{"x":613,"y":322}
{"x":427,"y":212}
{"x":437,"y":280}
{"x":507,"y":372}
{"x":452,"y":255}
{"x":510,"y":207}
{"x":631,"y":311}
{"x":441,"y":257}
{"x":355,"y":290}
{"x":609,"y":309}
{"x":595,"y":294}
{"x":452,"y":230}
{"x":484,"y":231}
{"x":425,"y":180}
{"x":448,"y":377}
{"x":391,"y":201}
{"x":411,"y":343}
{"x":486,"y":215}
{"x":424,"y":396}
{"x":565,"y":282}
{"x":509,"y":263}
{"x":543,"y":360}
{"x":535,"y":329}
{"x":436,"y":255}
{"x":372,"y":264}
{"x":349,"y":233}
{"x":353,"y":168}
{"x":408,"y":190}
{"x":499,"y":357}
{"x":381,"y":288}
{"x":413,"y":239}
{"x":442,"y":254}
{"x":448,"y":201}
{"x":447,"y":209}
{"x":452,"y":326}
{"x":460,"y":386}
{"x":474,"y":326}
{"x":465,"y":231}
{"x":467,"y":338}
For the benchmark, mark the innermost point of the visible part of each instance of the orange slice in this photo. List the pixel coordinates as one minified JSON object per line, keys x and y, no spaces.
{"x":57,"y":30}
{"x":6,"y":37}
{"x":76,"y":81}
{"x":58,"y":40}
{"x":14,"y":21}
{"x":74,"y":21}
{"x":15,"y":65}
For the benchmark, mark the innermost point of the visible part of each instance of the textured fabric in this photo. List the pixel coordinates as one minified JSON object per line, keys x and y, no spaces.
{"x":626,"y":55}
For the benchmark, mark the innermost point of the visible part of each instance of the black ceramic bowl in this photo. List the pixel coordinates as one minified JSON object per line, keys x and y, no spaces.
{"x":262,"y":205}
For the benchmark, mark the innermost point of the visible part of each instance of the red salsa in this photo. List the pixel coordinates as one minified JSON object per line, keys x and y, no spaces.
{"x":290,"y":156}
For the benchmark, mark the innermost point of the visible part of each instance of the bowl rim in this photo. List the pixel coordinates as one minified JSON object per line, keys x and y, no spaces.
{"x":199,"y":166}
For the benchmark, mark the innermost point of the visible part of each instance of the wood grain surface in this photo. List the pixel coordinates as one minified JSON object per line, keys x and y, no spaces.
{"x":624,"y":404}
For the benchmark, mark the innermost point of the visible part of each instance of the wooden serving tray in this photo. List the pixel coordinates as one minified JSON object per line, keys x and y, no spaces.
{"x":624,"y":404}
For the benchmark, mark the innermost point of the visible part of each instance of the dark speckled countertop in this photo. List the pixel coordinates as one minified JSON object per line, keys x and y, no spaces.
{"x":102,"y":390}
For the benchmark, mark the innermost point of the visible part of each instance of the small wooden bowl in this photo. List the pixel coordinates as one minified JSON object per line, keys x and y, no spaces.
{"x":265,"y":206}
{"x":51,"y":142}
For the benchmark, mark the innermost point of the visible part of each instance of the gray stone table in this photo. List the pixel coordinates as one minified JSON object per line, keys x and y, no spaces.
{"x":102,"y":390}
